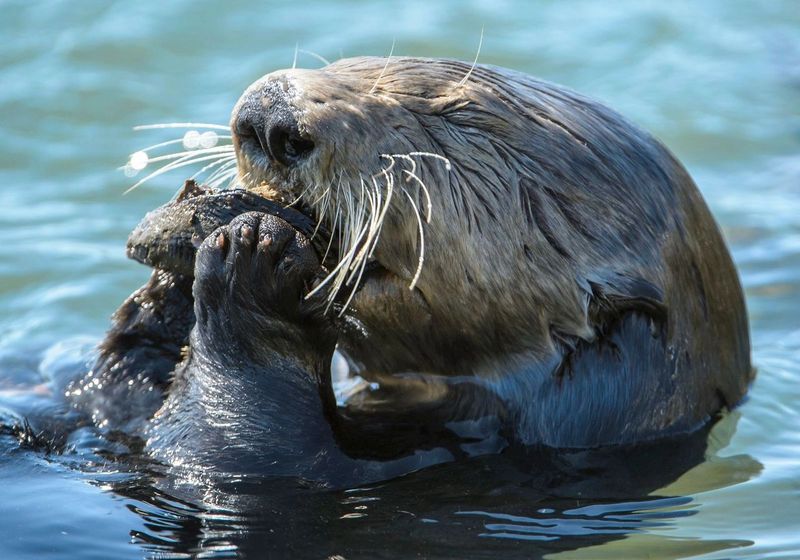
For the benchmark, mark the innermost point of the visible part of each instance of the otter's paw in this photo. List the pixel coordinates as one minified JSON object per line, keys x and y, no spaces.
{"x":256,"y":266}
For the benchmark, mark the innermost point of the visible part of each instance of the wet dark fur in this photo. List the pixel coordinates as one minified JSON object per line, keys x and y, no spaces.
{"x":576,"y":293}
{"x":574,"y":269}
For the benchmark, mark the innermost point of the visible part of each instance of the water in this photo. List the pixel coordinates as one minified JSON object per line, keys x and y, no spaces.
{"x":718,"y":83}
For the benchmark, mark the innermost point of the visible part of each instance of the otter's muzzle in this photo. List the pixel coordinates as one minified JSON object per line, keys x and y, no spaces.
{"x":264,"y":125}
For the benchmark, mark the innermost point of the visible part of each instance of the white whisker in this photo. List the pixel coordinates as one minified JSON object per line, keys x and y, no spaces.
{"x":198,"y":146}
{"x":375,"y":226}
{"x":385,"y":66}
{"x":213,"y":164}
{"x":421,"y":259}
{"x":390,"y":157}
{"x":181,"y":125}
{"x":355,"y":287}
{"x":167,"y":168}
{"x":363,"y":217}
{"x":359,"y":218}
{"x":342,"y":262}
{"x":326,"y":198}
{"x":474,"y":62}
{"x":299,"y":196}
{"x":378,"y":214}
{"x":333,"y":232}
{"x":229,"y":176}
{"x":428,"y":205}
{"x":447,"y":164}
{"x":315,"y":55}
{"x":413,"y":175}
{"x":162,"y":144}
{"x":223,"y":169}
{"x":199,"y":151}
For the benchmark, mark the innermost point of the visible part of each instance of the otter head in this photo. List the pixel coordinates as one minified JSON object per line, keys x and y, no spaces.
{"x":351,"y":149}
{"x":423,"y":170}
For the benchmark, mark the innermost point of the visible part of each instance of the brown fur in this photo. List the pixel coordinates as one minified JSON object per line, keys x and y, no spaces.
{"x":559,"y":231}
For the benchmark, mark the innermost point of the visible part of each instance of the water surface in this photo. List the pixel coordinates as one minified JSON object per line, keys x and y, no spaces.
{"x":719,"y":83}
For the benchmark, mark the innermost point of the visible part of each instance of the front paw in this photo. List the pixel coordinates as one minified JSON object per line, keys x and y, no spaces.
{"x":258,"y":264}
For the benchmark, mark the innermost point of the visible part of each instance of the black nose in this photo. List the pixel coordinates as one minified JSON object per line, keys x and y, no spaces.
{"x":265,"y":124}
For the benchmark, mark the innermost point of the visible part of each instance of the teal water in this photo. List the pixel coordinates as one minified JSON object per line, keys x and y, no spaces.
{"x":718,"y":82}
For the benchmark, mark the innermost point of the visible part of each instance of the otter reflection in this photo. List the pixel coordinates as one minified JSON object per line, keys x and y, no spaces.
{"x":519,"y":504}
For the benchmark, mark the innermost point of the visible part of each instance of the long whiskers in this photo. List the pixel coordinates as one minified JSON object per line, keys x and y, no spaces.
{"x":183,"y":162}
{"x":474,"y":62}
{"x":315,"y":55}
{"x":227,"y":173}
{"x":385,"y":66}
{"x":360,"y":213}
{"x":421,"y":259}
{"x":354,"y":210}
{"x":201,"y":144}
{"x":181,"y":125}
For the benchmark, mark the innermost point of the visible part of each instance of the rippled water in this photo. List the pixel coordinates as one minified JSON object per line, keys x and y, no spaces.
{"x":719,"y":83}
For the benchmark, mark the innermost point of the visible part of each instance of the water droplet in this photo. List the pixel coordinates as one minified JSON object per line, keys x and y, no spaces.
{"x":191,"y":140}
{"x":138,"y":160}
{"x":209,"y":139}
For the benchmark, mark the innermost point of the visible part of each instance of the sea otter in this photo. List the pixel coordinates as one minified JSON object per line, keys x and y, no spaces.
{"x":508,"y":261}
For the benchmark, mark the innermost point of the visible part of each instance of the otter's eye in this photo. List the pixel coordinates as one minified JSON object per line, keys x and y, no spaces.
{"x":287,"y":146}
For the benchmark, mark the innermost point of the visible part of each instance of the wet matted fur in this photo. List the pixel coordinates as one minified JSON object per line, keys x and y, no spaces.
{"x":504,"y":254}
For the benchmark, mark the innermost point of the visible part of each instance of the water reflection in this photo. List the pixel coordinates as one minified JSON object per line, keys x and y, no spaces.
{"x":525,"y":502}
{"x":74,"y":88}
{"x":528,"y":503}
